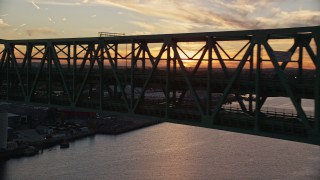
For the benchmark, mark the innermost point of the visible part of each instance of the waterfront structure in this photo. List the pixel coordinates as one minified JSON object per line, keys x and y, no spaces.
{"x":182,"y":78}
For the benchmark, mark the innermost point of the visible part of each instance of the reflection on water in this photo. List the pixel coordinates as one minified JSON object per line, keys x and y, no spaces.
{"x":280,"y":104}
{"x":171,"y":151}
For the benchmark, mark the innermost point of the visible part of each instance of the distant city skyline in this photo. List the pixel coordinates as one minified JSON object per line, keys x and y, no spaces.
{"x":33,"y":19}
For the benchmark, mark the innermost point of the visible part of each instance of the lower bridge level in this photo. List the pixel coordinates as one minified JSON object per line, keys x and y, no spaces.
{"x":180,"y":105}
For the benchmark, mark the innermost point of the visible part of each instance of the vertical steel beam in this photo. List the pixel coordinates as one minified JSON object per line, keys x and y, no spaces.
{"x":24,"y":61}
{"x":69,"y":56}
{"x":174,"y":74}
{"x":167,"y":91}
{"x":115,"y":87}
{"x":2,"y":67}
{"x":116,"y":47}
{"x":316,"y":35}
{"x":8,"y":68}
{"x":209,"y":45}
{"x":133,"y":62}
{"x":258,"y":88}
{"x":101,"y":68}
{"x":3,"y":58}
{"x":143,"y":55}
{"x":74,"y":69}
{"x":251,"y":80}
{"x":29,"y":53}
{"x":300,"y":64}
{"x":49,"y":65}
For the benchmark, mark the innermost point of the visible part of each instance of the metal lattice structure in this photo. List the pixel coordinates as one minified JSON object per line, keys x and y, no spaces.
{"x":182,"y":78}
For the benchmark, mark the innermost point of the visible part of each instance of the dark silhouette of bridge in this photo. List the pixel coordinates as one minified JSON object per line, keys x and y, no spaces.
{"x":182,"y":78}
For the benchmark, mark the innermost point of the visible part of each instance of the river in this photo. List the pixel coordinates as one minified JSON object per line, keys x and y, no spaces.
{"x":170,"y":151}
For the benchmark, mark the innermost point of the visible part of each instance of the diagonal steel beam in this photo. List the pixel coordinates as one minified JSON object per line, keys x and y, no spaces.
{"x":39,"y":50}
{"x":154,"y":68}
{"x":115,"y":49}
{"x":56,"y":62}
{"x":223,"y":50}
{"x":62,"y":50}
{"x":16,"y":68}
{"x":83,"y":49}
{"x":17,"y":49}
{"x":137,"y":57}
{"x":183,"y":52}
{"x":4,"y":67}
{"x":195,"y":70}
{"x":27,"y":55}
{"x":92,"y":61}
{"x":114,"y":70}
{"x":186,"y":77}
{"x":241,"y":50}
{"x":3,"y":57}
{"x":312,"y":56}
{"x":282,"y":67}
{"x":226,"y":72}
{"x":203,"y":47}
{"x":35,"y":81}
{"x":85,"y":58}
{"x":232,"y":81}
{"x":146,"y":48}
{"x":134,"y":49}
{"x":285,"y":83}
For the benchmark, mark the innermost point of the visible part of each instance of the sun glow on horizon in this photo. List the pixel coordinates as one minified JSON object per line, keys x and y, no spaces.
{"x":34,"y":19}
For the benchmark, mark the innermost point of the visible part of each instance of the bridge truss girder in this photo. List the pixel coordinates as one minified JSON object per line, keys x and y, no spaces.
{"x":150,"y":76}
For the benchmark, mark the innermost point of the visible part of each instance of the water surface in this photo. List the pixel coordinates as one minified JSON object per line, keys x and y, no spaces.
{"x":171,"y":151}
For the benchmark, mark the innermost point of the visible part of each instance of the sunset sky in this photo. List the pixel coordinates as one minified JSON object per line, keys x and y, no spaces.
{"x":32,"y":19}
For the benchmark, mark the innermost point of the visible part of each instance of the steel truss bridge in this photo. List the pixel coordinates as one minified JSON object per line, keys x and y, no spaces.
{"x":186,"y":78}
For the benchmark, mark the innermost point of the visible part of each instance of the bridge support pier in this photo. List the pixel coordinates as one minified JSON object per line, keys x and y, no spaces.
{"x":3,"y":129}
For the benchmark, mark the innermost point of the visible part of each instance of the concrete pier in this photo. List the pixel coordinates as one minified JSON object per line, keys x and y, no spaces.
{"x":3,"y":129}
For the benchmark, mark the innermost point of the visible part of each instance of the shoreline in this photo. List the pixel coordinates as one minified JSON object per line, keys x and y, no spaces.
{"x":102,"y":126}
